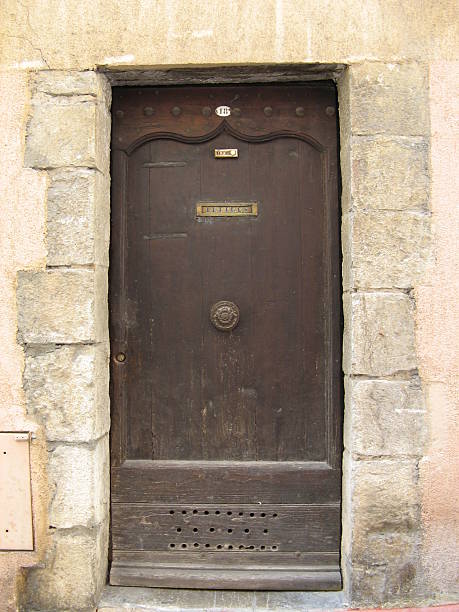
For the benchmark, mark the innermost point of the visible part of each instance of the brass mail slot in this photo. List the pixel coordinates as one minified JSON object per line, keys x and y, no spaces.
{"x":222,"y":153}
{"x":227,"y":209}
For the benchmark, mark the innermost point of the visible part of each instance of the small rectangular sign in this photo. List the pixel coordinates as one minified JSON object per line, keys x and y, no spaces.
{"x":223,"y":153}
{"x":226,"y":209}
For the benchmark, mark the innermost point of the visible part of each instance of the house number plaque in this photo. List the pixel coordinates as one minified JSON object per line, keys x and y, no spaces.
{"x":223,"y":111}
{"x":226,"y":209}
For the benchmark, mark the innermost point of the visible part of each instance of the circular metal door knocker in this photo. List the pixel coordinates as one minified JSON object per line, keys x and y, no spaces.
{"x":224,"y":315}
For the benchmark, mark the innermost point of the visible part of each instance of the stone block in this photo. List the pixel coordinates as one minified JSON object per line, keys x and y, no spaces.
{"x":389,"y":249}
{"x":388,"y":174}
{"x":78,"y":479}
{"x":62,"y":306}
{"x":378,"y":334}
{"x":66,"y":390}
{"x":72,"y":83}
{"x":78,"y":217}
{"x":74,"y":571}
{"x":383,"y":520}
{"x":346,"y":247}
{"x":63,"y":132}
{"x":377,"y":583}
{"x":384,"y":418}
{"x":389,"y":99}
{"x":344,"y":104}
{"x":385,"y":501}
{"x":138,"y":599}
{"x":294,"y":601}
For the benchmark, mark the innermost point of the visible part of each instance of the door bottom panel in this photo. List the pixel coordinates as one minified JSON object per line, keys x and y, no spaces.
{"x":258,"y":529}
{"x":217,"y":571}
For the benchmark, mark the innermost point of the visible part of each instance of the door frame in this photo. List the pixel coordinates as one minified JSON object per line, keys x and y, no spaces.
{"x":84,"y":290}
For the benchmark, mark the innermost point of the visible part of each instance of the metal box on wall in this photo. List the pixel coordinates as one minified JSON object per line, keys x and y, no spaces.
{"x":16,"y":531}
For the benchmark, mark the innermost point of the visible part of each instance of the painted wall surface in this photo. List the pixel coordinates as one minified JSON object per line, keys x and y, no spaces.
{"x":83,"y":34}
{"x":22,"y":245}
{"x":88,"y":34}
{"x":438,"y":334}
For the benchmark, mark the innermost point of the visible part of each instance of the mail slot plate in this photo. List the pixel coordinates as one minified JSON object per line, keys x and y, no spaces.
{"x":226,"y":209}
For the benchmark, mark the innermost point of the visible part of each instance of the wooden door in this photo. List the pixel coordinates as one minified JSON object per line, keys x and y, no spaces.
{"x":226,"y":438}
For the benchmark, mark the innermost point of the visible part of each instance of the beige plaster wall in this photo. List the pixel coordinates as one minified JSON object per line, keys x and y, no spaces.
{"x":84,"y":34}
{"x":22,"y":215}
{"x":438,"y":339}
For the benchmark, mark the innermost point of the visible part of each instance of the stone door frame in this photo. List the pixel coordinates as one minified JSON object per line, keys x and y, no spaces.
{"x":63,"y":311}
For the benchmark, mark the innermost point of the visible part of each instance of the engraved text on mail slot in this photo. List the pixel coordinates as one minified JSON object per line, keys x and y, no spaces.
{"x":226,"y":209}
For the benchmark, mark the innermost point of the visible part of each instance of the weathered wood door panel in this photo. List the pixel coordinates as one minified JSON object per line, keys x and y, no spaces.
{"x":225,"y":444}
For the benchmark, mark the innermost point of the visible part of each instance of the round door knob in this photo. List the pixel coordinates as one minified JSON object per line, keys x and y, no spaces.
{"x":224,"y":315}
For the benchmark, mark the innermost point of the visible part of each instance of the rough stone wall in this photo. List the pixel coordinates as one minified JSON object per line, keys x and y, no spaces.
{"x":62,"y":331}
{"x":386,"y":247}
{"x":401,"y":462}
{"x":62,"y":324}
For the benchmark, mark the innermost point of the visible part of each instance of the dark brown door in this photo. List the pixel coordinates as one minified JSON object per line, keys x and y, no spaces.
{"x":226,"y":416}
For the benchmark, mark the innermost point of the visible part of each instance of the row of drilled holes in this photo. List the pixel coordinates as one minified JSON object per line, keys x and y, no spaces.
{"x":212,"y":530}
{"x":184,"y":546}
{"x":228,"y":513}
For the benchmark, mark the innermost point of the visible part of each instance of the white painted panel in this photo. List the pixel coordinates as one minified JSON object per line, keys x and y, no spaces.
{"x":15,"y":497}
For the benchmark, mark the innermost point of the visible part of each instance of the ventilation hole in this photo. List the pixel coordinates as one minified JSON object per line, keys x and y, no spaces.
{"x":179,"y":529}
{"x":4,"y":452}
{"x":230,"y":531}
{"x":206,"y":512}
{"x":207,"y":545}
{"x":217,"y":511}
{"x":184,"y":545}
{"x":273,"y":547}
{"x":195,"y":529}
{"x":263,"y":514}
{"x":241,"y":547}
{"x":171,"y":512}
{"x":196,"y":545}
{"x":252,"y":514}
{"x":275,"y":515}
{"x":230,"y":547}
{"x":7,"y":530}
{"x":195,"y":511}
{"x":265,"y":530}
{"x":246,"y":530}
{"x":171,"y":545}
{"x":219,"y":546}
{"x":262,"y":547}
{"x":183,"y":511}
{"x":241,"y":514}
{"x":212,"y":529}
{"x":229,"y":513}
{"x":251,"y":547}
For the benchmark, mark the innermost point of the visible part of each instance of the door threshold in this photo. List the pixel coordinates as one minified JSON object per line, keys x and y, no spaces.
{"x":139,"y":599}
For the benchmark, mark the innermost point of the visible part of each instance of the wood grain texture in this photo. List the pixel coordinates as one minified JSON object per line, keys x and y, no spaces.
{"x":241,"y":528}
{"x":231,"y":579}
{"x":200,"y":415}
{"x":226,"y":482}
